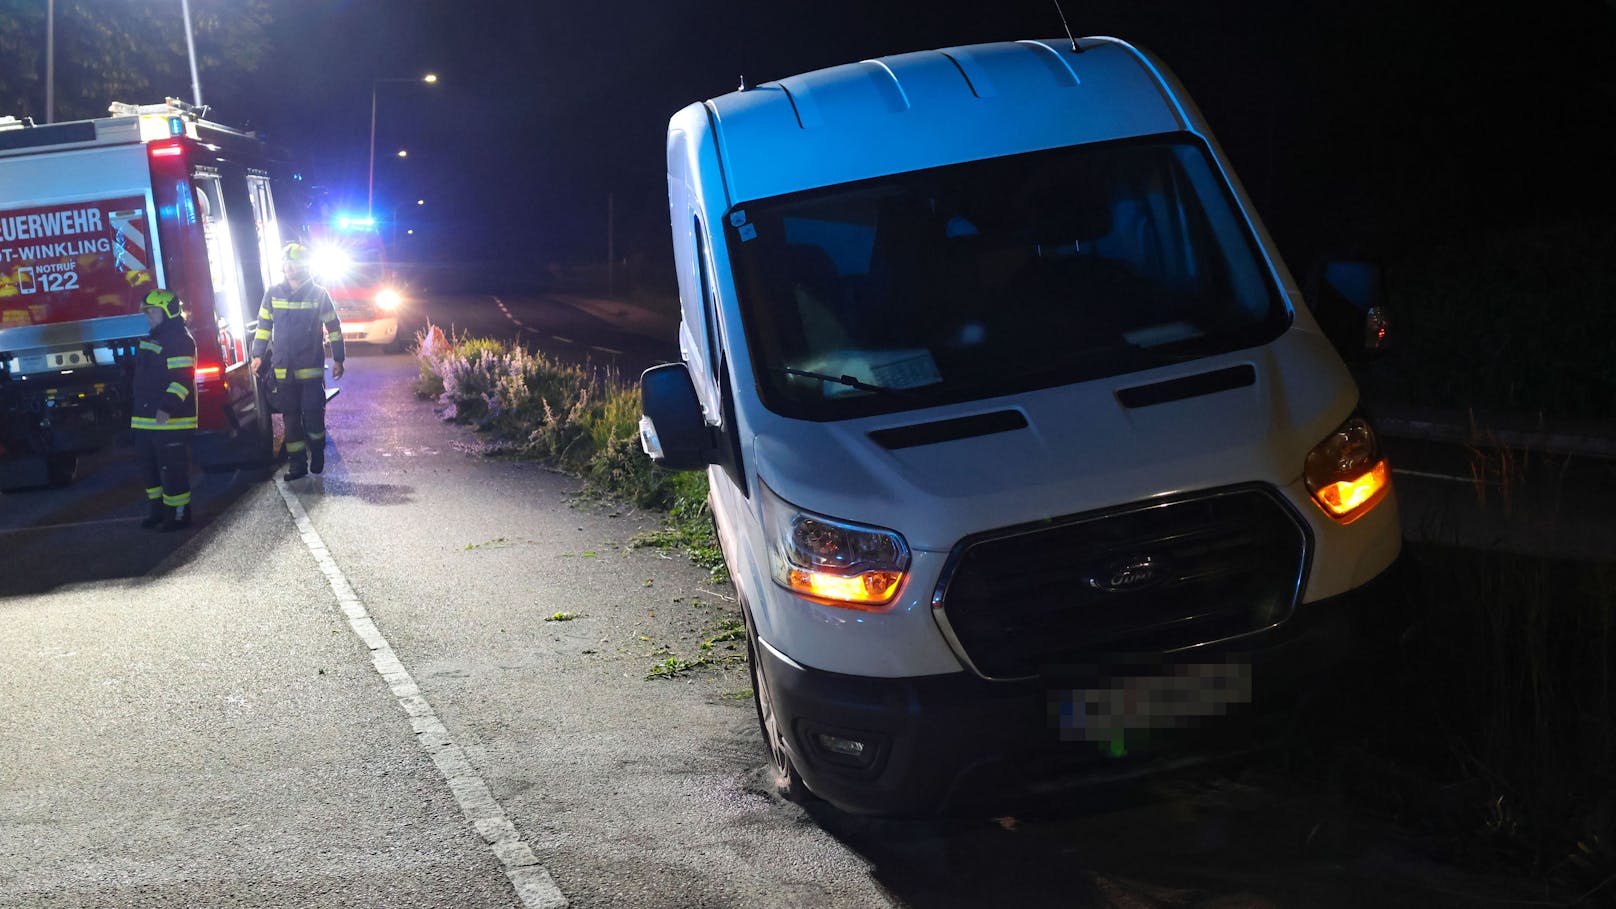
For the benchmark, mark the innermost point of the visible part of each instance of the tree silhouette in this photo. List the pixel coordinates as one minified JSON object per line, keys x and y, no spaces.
{"x":126,"y":50}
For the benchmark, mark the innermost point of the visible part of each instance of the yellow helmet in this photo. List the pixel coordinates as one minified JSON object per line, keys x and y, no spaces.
{"x":295,"y":252}
{"x":164,"y":300}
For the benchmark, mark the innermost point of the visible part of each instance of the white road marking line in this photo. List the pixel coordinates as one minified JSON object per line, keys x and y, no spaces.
{"x":514,"y":320}
{"x":1398,"y":471}
{"x":6,"y":530}
{"x":563,"y":340}
{"x":609,"y":350}
{"x":534,"y":886}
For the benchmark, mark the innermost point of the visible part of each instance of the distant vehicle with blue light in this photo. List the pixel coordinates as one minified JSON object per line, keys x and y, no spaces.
{"x":1027,"y":457}
{"x":94,"y":214}
{"x":350,"y":261}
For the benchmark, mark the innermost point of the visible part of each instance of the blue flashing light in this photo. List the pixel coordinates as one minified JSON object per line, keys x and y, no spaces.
{"x":348,"y":222}
{"x":176,"y":126}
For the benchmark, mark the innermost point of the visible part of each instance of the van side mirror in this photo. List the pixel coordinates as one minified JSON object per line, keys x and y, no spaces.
{"x":672,"y":429}
{"x":1348,"y":298}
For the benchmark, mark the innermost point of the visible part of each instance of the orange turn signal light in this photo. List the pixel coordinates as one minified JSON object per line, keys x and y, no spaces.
{"x":1344,"y":497}
{"x":867,"y":589}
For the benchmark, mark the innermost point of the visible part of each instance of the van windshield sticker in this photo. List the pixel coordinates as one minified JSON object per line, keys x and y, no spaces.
{"x":82,"y":260}
{"x":901,"y":369}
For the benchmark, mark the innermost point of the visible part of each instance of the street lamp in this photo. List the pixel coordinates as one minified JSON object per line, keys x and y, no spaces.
{"x":403,"y":153}
{"x":370,"y":189}
{"x":394,"y":220}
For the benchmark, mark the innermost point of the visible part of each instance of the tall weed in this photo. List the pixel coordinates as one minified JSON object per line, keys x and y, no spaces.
{"x":579,"y":419}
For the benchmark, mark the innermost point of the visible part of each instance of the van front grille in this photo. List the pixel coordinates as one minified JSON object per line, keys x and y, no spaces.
{"x":1150,"y":578}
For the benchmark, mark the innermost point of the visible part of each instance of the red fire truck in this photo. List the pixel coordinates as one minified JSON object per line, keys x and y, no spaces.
{"x":93,"y":215}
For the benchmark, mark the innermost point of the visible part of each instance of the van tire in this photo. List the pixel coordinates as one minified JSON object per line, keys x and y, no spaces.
{"x":781,"y":772}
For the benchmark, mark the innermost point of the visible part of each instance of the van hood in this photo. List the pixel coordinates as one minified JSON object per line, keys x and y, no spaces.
{"x":1082,"y":447}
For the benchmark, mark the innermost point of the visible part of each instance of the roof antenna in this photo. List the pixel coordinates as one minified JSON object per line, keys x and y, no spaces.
{"x":1062,"y":14}
{"x":743,"y":82}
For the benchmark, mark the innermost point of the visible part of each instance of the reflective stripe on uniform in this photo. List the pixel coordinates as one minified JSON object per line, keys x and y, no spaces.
{"x":183,"y":498}
{"x":294,"y":447}
{"x":154,"y":492}
{"x":263,"y":313}
{"x":177,"y":362}
{"x":317,"y":436}
{"x":333,"y":336}
{"x":152,"y":346}
{"x":173,"y":423}
{"x":178,"y":390}
{"x":280,"y":372}
{"x":261,"y":334}
{"x":311,"y":372}
{"x":293,"y":304}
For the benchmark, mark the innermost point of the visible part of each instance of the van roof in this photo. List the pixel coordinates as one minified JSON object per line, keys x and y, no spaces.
{"x":930,"y":108}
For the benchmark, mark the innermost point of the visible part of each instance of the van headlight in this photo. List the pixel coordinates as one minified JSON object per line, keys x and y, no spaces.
{"x":831,"y":561}
{"x":1346,"y":473}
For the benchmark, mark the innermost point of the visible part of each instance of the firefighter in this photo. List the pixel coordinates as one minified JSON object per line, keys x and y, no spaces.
{"x":164,"y":414}
{"x":296,"y":319}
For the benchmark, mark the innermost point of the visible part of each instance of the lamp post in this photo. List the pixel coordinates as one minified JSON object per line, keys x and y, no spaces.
{"x":370,"y":189}
{"x":190,"y":51}
{"x":50,"y":61}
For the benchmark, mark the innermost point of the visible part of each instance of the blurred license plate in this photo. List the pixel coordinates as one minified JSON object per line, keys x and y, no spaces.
{"x":1181,"y":696}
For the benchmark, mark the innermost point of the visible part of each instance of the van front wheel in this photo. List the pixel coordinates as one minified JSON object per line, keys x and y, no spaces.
{"x":782,"y":772}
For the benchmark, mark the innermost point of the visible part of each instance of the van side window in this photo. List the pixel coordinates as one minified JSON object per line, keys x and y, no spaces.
{"x":223,"y":264}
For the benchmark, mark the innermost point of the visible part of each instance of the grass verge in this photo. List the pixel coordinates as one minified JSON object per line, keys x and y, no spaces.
{"x":583,"y":421}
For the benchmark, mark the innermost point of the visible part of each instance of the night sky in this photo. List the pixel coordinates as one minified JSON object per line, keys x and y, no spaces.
{"x":1364,"y":126}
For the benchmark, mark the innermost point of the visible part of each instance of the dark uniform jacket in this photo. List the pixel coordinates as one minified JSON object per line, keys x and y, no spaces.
{"x":294,"y":323}
{"x":165,"y":378}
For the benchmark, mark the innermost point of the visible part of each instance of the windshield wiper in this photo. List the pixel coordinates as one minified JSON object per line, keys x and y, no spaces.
{"x":847,"y":380}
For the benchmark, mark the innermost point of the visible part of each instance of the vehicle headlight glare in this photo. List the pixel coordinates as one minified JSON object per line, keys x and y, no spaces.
{"x":329,"y":264}
{"x":835,"y":562}
{"x":388,"y":300}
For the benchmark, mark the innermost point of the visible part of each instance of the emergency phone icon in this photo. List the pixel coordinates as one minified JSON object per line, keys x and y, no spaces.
{"x":25,"y":280}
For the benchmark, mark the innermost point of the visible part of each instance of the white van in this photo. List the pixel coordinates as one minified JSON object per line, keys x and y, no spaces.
{"x":1024,"y":450}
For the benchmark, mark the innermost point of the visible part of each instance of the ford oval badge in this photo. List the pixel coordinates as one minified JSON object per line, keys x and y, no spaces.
{"x":1133,"y":573}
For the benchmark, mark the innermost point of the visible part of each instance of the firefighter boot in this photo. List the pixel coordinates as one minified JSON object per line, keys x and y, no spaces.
{"x":158,"y":514}
{"x":179,"y":518}
{"x":316,"y":458}
{"x":297,"y":469}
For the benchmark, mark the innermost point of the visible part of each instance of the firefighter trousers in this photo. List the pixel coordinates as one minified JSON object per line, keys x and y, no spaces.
{"x":302,"y":404}
{"x":165,"y":463}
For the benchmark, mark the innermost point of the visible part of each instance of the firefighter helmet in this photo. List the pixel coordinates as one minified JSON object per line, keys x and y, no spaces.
{"x":166,"y":301}
{"x":296,"y":252}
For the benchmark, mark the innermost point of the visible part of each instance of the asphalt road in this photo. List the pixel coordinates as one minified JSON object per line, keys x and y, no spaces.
{"x":344,"y":692}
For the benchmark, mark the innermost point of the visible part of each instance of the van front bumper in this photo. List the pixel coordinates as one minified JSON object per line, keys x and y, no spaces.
{"x":961,"y":742}
{"x":382,"y":330}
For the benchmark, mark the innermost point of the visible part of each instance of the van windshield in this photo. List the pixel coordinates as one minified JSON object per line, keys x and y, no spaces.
{"x":995,"y":277}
